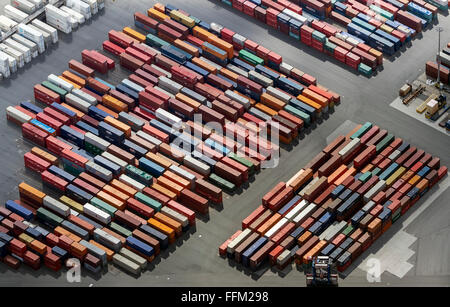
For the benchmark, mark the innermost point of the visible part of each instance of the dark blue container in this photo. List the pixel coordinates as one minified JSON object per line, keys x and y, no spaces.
{"x":87,"y":127}
{"x":162,"y":238}
{"x":346,"y":244}
{"x":90,"y":221}
{"x":385,"y":215}
{"x":43,"y":231}
{"x":358,"y":31}
{"x":338,"y":190}
{"x":241,"y":64}
{"x":424,"y":171}
{"x":127,"y":91}
{"x":31,"y":107}
{"x":19,"y":210}
{"x":35,"y":234}
{"x":114,"y":168}
{"x":78,"y":194}
{"x":267,"y":73}
{"x":249,"y":252}
{"x":62,"y":253}
{"x":96,"y":113}
{"x":174,"y":54}
{"x":404,"y":147}
{"x":290,"y":86}
{"x":327,"y":249}
{"x":396,"y":41}
{"x":340,"y":8}
{"x":297,"y":232}
{"x":133,"y":148}
{"x":69,"y":113}
{"x":150,"y":167}
{"x":290,"y":203}
{"x":75,"y":229}
{"x":72,"y":136}
{"x":336,"y":253}
{"x":345,"y":194}
{"x":303,"y":107}
{"x":357,"y":218}
{"x":164,"y":128}
{"x":5,"y":237}
{"x":316,"y":228}
{"x":204,"y":73}
{"x":205,"y":159}
{"x":110,"y":134}
{"x":194,"y":95}
{"x":61,"y":173}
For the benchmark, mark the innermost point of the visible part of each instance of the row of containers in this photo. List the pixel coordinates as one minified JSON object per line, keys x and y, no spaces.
{"x":25,"y":39}
{"x":372,"y":29}
{"x":344,"y":199}
{"x":128,"y":187}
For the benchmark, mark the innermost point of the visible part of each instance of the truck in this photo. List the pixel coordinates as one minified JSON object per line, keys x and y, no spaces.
{"x":322,"y":273}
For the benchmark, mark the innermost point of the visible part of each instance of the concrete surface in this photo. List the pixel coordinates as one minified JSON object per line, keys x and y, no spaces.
{"x":195,"y":261}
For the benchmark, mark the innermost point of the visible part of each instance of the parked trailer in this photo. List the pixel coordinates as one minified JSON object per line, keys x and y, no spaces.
{"x":19,"y":47}
{"x":45,"y":27}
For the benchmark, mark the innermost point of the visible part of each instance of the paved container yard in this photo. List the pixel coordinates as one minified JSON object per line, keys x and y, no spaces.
{"x":194,"y":260}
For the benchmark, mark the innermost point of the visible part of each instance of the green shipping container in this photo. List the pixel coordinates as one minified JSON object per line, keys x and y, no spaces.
{"x":155,"y":41}
{"x":146,"y":200}
{"x":120,"y":230}
{"x":100,"y":204}
{"x":138,"y":175}
{"x":62,"y":93}
{"x":329,"y":46}
{"x":382,"y":12}
{"x":48,"y":217}
{"x":347,"y":231}
{"x":361,"y":131}
{"x":365,"y":70}
{"x":376,"y":171}
{"x":319,"y":36}
{"x":243,"y":161}
{"x":222,"y":183}
{"x":385,"y":142}
{"x":296,"y":112}
{"x":92,"y":149}
{"x":250,"y":57}
{"x":364,"y":177}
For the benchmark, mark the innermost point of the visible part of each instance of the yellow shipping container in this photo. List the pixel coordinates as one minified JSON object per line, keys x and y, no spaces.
{"x":118,"y":125}
{"x":134,"y":34}
{"x":115,"y":104}
{"x":153,"y":13}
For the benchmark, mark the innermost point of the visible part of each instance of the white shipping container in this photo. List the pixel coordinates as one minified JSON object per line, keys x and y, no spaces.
{"x":284,"y":257}
{"x":168,"y":118}
{"x":77,"y":103}
{"x":183,"y":173}
{"x":238,"y":98}
{"x":15,"y":14}
{"x":6,"y":24}
{"x":239,"y":39}
{"x":278,"y":94}
{"x":77,"y":16}
{"x":56,"y":206}
{"x":126,"y":264}
{"x":114,"y":159}
{"x":149,"y":138}
{"x":196,"y":165}
{"x":24,"y":5}
{"x":96,"y":141}
{"x":17,"y":115}
{"x":275,"y":228}
{"x":237,"y":70}
{"x":260,"y":79}
{"x":344,"y":152}
{"x":11,"y":61}
{"x":215,"y":27}
{"x":58,"y":19}
{"x":98,"y":170}
{"x":86,"y":97}
{"x":285,"y":68}
{"x":211,"y":63}
{"x":4,"y":65}
{"x":131,"y":182}
{"x":80,"y":7}
{"x":47,"y":37}
{"x":45,"y":27}
{"x":25,"y":50}
{"x":93,"y":4}
{"x":168,"y":74}
{"x":96,"y":213}
{"x":238,"y":240}
{"x":302,"y":216}
{"x":101,"y":4}
{"x":298,"y":17}
{"x":27,"y":43}
{"x":125,"y":252}
{"x":38,"y":3}
{"x":108,"y":240}
{"x":379,"y":186}
{"x":19,"y":56}
{"x":183,"y":220}
{"x":296,"y":210}
{"x":60,"y":82}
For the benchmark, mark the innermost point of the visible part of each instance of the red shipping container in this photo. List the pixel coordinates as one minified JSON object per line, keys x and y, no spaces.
{"x":54,"y":181}
{"x":35,"y":163}
{"x":45,"y":95}
{"x":249,"y":8}
{"x":34,"y":134}
{"x":352,"y":60}
{"x":238,"y":4}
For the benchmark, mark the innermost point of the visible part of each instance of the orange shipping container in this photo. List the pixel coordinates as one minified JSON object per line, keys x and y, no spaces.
{"x":350,"y":172}
{"x":303,"y":238}
{"x":164,"y":191}
{"x":202,"y":33}
{"x":204,"y":65}
{"x":134,"y":34}
{"x":44,"y":155}
{"x":170,"y":232}
{"x":108,"y":110}
{"x":189,"y":101}
{"x":156,"y":14}
{"x":314,"y":251}
{"x":268,"y":224}
{"x":78,"y":250}
{"x":229,"y":74}
{"x":124,"y":188}
{"x":178,"y":179}
{"x":118,"y":125}
{"x":39,"y":247}
{"x":75,"y":85}
{"x":59,"y":231}
{"x":78,"y":112}
{"x":272,"y":102}
{"x":186,"y":47}
{"x":158,"y":160}
{"x":170,"y":185}
{"x":310,"y":102}
{"x":74,"y":78}
{"x":31,"y":193}
{"x":221,"y":44}
{"x":115,"y":193}
{"x":169,"y":222}
{"x":114,"y":103}
{"x":338,"y":172}
{"x":116,"y":203}
{"x":266,"y":109}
